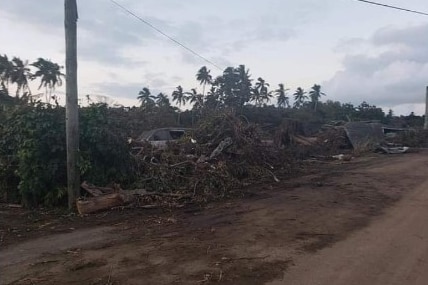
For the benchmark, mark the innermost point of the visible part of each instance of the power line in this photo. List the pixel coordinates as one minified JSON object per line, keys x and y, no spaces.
{"x":165,"y":35}
{"x":393,"y":7}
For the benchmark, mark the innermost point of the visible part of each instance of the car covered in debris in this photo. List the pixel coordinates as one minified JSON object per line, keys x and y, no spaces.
{"x":160,"y":137}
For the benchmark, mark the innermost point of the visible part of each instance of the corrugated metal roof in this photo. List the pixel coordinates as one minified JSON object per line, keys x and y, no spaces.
{"x":364,"y":134}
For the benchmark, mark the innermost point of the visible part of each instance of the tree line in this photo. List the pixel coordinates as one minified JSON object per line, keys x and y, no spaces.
{"x":234,"y":88}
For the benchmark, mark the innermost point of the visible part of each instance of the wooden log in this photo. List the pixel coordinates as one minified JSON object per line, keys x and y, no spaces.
{"x":99,"y":203}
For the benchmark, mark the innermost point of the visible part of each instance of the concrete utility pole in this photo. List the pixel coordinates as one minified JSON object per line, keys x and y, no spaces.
{"x":426,"y":110}
{"x":72,"y":108}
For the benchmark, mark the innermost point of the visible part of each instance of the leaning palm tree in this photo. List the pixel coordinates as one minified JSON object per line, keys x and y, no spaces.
{"x":204,"y":77}
{"x":315,"y":95}
{"x":50,"y":75}
{"x":299,"y":97}
{"x":282,"y":98}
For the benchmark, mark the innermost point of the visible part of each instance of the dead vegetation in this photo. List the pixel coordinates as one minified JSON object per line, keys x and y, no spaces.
{"x":219,"y":157}
{"x":413,"y":138}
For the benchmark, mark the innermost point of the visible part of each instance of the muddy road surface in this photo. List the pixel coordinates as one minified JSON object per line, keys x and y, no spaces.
{"x":359,"y":222}
{"x":392,"y":250}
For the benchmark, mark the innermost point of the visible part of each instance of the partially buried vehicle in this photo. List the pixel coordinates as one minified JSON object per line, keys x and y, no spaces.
{"x":160,"y":137}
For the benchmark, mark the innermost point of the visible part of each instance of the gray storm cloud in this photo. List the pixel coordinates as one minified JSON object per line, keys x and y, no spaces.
{"x":396,"y":76}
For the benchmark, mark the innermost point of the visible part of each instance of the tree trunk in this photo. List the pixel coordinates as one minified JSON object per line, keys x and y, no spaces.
{"x":72,"y":111}
{"x":99,"y":203}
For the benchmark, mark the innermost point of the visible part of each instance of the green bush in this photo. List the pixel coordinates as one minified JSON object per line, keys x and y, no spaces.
{"x":33,"y":152}
{"x":105,"y":153}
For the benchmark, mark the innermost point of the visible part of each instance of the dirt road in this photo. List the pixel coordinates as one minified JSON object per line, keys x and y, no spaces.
{"x":361,"y":222}
{"x":392,"y":250}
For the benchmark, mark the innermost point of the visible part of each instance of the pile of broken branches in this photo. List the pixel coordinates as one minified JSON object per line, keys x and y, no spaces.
{"x":224,"y":153}
{"x":218,"y":157}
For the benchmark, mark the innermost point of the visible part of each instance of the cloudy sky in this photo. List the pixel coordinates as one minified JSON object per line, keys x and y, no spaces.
{"x":354,"y":50}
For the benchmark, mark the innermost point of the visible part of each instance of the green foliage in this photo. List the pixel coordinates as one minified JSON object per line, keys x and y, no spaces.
{"x":366,"y":111}
{"x":33,"y":137}
{"x":103,"y":147}
{"x":33,"y":152}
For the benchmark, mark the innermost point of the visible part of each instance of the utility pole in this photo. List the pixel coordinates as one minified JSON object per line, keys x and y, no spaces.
{"x":426,"y":110}
{"x":72,"y":108}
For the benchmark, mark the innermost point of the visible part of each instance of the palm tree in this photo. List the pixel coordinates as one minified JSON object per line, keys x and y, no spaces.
{"x":261,"y":92}
{"x":195,"y":98}
{"x":180,"y":97}
{"x":146,"y":98}
{"x":267,"y":96}
{"x":204,"y":77}
{"x":282,"y":98}
{"x":315,"y":95}
{"x":162,"y":100}
{"x":299,"y":97}
{"x":49,"y":73}
{"x":19,"y":75}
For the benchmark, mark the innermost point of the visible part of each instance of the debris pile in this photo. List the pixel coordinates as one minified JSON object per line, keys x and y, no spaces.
{"x":215,"y":160}
{"x":224,"y":153}
{"x":290,"y":132}
{"x":333,"y":138}
{"x":412,"y":138}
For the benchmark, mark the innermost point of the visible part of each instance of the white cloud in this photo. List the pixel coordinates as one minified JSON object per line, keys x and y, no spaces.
{"x":394,"y":78}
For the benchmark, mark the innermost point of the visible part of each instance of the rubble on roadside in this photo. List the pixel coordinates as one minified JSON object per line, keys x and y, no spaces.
{"x":215,"y":160}
{"x":224,"y":153}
